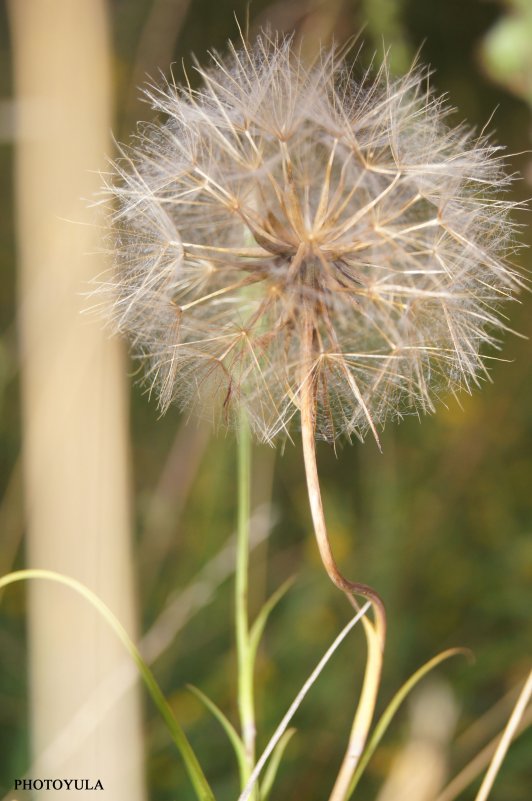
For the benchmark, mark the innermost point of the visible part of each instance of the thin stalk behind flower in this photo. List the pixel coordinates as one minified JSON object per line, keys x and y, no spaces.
{"x":245,"y":662}
{"x":375,"y":633}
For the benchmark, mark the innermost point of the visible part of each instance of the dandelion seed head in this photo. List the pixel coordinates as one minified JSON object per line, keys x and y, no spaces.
{"x":286,"y":225}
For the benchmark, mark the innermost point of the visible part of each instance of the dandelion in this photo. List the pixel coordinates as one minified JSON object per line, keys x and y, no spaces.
{"x":287,"y":231}
{"x":294,"y":244}
{"x":291,"y":242}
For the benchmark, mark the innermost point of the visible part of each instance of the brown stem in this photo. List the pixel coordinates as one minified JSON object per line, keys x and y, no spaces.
{"x":308,"y":426}
{"x":318,"y":518}
{"x":375,"y":632}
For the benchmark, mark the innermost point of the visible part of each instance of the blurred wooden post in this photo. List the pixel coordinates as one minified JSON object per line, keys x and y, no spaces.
{"x":74,"y":402}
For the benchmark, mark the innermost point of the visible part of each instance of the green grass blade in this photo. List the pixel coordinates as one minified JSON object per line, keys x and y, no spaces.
{"x":257,"y":629}
{"x":390,"y":711}
{"x":193,"y":768}
{"x":228,"y":727}
{"x":273,"y":765}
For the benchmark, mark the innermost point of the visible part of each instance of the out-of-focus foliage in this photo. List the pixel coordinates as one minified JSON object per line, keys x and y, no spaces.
{"x":440,"y":523}
{"x":506,"y":50}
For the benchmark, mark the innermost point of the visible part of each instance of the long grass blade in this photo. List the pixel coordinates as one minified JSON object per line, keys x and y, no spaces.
{"x":232,"y":734}
{"x":259,"y":624}
{"x":390,"y":711}
{"x":193,"y":768}
{"x":506,"y":739}
{"x":476,"y":765}
{"x":273,"y":765}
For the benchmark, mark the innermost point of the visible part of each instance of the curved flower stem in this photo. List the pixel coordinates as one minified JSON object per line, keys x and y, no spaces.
{"x":375,"y":632}
{"x":365,"y":710}
{"x":246,"y":706}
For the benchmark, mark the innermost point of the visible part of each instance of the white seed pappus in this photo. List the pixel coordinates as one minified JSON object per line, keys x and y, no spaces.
{"x":285,"y":223}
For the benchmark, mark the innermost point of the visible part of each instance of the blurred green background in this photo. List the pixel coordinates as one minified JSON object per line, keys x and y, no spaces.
{"x":440,"y":523}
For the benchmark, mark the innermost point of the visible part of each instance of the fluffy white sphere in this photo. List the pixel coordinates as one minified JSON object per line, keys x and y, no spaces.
{"x":284,"y":225}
